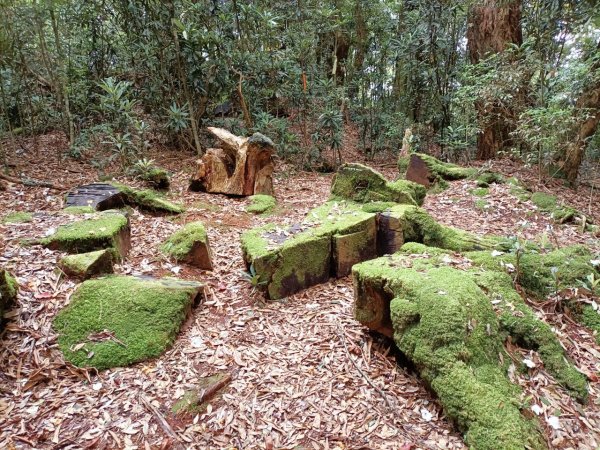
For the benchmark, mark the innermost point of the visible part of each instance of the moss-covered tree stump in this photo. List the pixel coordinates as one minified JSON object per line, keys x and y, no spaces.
{"x":362,"y":184}
{"x":104,"y":196}
{"x":451,"y":323}
{"x":105,"y":230}
{"x":86,"y":265}
{"x":9,"y":289}
{"x":190,"y":245}
{"x":429,"y":171}
{"x":156,"y":177}
{"x":118,"y":320}
{"x":332,"y":238}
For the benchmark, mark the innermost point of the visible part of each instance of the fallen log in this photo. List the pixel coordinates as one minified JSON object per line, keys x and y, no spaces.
{"x":30,"y":182}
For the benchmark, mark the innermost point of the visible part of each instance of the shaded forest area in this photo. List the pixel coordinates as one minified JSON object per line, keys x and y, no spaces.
{"x":299,"y":225}
{"x":458,"y":79}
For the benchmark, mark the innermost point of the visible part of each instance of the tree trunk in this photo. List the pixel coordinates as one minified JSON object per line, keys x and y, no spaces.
{"x":589,"y":103}
{"x":492,"y":26}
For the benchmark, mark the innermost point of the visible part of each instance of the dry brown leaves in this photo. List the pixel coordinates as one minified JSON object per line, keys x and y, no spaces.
{"x":304,"y":372}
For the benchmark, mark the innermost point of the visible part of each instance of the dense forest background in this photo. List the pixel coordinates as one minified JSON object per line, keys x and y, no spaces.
{"x":459,"y":79}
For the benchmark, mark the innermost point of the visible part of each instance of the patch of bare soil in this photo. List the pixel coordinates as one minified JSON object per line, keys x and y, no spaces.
{"x":305,"y":374}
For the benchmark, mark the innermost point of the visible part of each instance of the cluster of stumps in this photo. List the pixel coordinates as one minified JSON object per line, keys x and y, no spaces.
{"x":448,"y":298}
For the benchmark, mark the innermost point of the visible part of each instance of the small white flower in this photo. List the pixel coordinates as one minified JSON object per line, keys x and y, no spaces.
{"x":537,"y":409}
{"x":554,"y":422}
{"x":426,"y":415}
{"x":529,"y":363}
{"x":496,"y":253}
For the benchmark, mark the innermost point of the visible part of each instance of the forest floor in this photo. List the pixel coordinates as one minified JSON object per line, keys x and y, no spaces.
{"x":305,"y":373}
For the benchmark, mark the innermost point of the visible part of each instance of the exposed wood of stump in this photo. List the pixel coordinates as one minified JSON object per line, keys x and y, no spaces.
{"x":243,"y":166}
{"x":99,"y":196}
{"x":418,"y":171}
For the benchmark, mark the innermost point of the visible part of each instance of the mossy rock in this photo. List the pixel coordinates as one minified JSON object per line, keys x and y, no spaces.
{"x":156,"y":177}
{"x":87,"y":265}
{"x":443,"y":320}
{"x":405,"y":223}
{"x":433,"y":173}
{"x":148,"y":200}
{"x":17,"y":217}
{"x":105,"y":230}
{"x":120,"y":320}
{"x":9,"y":289}
{"x":331,"y":239}
{"x":261,"y":204}
{"x":359,"y":183}
{"x":190,"y":245}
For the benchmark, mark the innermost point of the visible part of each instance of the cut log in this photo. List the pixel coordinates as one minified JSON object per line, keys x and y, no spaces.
{"x":242,"y":166}
{"x":8,"y":292}
{"x":99,"y":196}
{"x":190,"y":245}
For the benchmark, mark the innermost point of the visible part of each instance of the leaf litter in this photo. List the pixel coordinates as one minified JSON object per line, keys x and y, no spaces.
{"x":304,"y":372}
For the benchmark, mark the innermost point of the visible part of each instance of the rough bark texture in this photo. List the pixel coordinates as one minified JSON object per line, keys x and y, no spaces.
{"x":243,"y":166}
{"x":493,"y":25}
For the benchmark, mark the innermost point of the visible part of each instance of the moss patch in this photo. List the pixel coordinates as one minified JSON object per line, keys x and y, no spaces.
{"x":362,"y":184}
{"x":17,"y":217}
{"x":261,"y":204}
{"x":156,"y":177}
{"x":480,"y":192}
{"x":148,"y":200}
{"x":9,"y":289}
{"x":106,"y":230}
{"x":86,"y":265}
{"x":190,"y":402}
{"x":117,"y":321}
{"x":76,"y":210}
{"x":190,"y":244}
{"x":452,"y":324}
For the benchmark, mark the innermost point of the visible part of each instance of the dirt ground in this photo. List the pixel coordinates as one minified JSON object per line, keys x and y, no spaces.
{"x":305,"y":374}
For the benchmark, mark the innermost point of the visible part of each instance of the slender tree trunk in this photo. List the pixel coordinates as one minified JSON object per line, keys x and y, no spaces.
{"x":588,"y":104}
{"x":493,"y":24}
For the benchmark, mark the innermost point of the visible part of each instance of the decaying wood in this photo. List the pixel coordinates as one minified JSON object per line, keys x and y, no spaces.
{"x":210,"y":391}
{"x":242,"y":166}
{"x":160,"y":419}
{"x":30,"y":182}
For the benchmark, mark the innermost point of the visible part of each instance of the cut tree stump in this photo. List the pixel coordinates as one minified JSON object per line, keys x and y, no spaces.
{"x":8,"y":292}
{"x":99,"y":196}
{"x":243,"y":166}
{"x":190,"y":245}
{"x":86,"y":265}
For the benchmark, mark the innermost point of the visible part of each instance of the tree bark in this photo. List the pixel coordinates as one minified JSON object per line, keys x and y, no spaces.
{"x":492,"y":26}
{"x":589,"y":104}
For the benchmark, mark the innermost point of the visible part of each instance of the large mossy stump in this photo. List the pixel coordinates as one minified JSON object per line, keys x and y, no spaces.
{"x":338,"y":235}
{"x":105,"y":230}
{"x":190,"y":245}
{"x":119,"y":320}
{"x":9,"y":289}
{"x":156,"y":178}
{"x":450,"y":318}
{"x":104,"y":196}
{"x":86,"y":265}
{"x":332,"y":238}
{"x":429,"y":171}
{"x":361,"y":184}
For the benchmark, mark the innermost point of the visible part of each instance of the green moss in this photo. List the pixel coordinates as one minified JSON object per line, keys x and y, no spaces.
{"x":190,"y":402}
{"x":261,"y":204}
{"x":103,"y":230}
{"x":438,"y":169}
{"x":288,"y":259}
{"x":85,"y":265}
{"x":17,"y":217}
{"x":156,"y":177}
{"x":591,"y":319}
{"x":521,"y":193}
{"x":480,"y":192}
{"x":362,"y":184}
{"x":486,"y":178}
{"x":536,"y":270}
{"x":181,"y":243}
{"x":543,"y":201}
{"x":117,"y":321}
{"x":148,"y":200}
{"x":208,"y":206}
{"x":481,"y":204}
{"x":443,"y":321}
{"x":75,"y":210}
{"x":376,"y":207}
{"x":9,"y":289}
